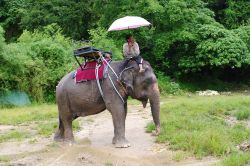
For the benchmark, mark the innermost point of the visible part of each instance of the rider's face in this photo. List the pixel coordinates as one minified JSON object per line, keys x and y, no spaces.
{"x":131,"y":40}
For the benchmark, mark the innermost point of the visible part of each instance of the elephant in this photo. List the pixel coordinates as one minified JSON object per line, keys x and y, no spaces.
{"x":82,"y":99}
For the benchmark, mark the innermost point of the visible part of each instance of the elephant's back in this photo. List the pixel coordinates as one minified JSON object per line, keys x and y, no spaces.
{"x":84,"y":90}
{"x":64,"y":80}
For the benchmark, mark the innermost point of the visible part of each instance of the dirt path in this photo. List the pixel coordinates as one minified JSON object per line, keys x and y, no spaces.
{"x":93,"y":146}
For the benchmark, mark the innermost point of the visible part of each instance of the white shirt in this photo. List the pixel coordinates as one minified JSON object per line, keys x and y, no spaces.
{"x":133,"y":51}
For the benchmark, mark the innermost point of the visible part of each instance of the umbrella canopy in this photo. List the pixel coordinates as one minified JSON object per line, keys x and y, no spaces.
{"x":128,"y":22}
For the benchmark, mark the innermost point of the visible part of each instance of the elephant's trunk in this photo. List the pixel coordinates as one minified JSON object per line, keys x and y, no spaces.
{"x":154,"y":99}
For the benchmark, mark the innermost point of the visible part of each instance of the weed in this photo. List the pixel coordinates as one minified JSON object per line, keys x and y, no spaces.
{"x":180,"y":156}
{"x":4,"y":159}
{"x":243,"y":114}
{"x":48,"y":128}
{"x":150,"y":127}
{"x":108,"y":164}
{"x":237,"y":159}
{"x":76,"y":125}
{"x":14,"y":135}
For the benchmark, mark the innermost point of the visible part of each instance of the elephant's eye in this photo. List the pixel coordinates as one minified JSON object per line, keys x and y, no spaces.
{"x":148,"y":81}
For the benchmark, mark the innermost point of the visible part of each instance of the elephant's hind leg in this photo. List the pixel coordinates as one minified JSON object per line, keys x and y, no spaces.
{"x":68,"y":134}
{"x":59,"y":135}
{"x":64,"y":132}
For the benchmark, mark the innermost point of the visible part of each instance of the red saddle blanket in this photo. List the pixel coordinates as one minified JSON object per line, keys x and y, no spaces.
{"x":88,"y":72}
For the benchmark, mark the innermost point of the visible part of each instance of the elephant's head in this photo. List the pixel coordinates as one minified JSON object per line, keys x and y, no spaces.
{"x":143,"y":86}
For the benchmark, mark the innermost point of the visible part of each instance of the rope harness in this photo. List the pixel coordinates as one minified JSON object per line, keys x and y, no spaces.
{"x":98,"y":64}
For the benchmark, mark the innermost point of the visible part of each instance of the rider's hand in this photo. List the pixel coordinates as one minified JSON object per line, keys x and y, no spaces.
{"x":99,"y":52}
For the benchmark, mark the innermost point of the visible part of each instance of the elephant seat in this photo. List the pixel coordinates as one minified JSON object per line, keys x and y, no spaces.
{"x":88,"y":71}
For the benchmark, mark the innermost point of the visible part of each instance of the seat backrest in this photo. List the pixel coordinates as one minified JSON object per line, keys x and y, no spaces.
{"x":87,"y":52}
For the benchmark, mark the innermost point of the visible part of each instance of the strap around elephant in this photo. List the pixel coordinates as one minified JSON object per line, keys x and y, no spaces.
{"x":98,"y":81}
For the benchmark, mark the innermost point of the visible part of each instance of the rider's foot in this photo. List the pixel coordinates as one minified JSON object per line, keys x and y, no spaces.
{"x":141,"y":70}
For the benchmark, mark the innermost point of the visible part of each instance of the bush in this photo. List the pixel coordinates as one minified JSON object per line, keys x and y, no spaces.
{"x":99,"y":39}
{"x":166,"y":85}
{"x":37,"y":62}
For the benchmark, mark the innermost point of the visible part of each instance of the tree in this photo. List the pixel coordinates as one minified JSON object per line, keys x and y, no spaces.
{"x":231,"y":13}
{"x":10,"y":16}
{"x":36,"y":62}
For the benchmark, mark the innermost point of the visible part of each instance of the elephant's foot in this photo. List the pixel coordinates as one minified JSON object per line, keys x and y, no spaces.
{"x":121,"y":143}
{"x":157,"y":131}
{"x":58,"y":137}
{"x":69,"y":142}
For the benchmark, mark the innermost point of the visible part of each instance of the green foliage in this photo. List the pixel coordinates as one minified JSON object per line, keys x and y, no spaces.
{"x":1,"y":38}
{"x":37,"y":62}
{"x":167,"y":86}
{"x":244,"y":34}
{"x":99,"y":39}
{"x":220,"y":48}
{"x":10,"y":15}
{"x":187,"y":37}
{"x":237,"y":13}
{"x":75,"y":17}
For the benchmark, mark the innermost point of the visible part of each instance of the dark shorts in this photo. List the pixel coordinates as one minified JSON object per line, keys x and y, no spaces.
{"x":138,"y":59}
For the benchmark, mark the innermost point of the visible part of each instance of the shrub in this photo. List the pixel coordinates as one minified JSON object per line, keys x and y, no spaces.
{"x":37,"y":62}
{"x":167,"y":86}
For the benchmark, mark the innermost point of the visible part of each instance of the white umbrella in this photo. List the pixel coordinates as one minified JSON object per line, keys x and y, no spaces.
{"x":128,"y":22}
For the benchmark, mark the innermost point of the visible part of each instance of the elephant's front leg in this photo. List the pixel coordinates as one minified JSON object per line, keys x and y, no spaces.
{"x":119,"y":116}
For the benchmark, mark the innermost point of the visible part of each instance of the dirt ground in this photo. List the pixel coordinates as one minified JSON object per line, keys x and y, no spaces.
{"x":93,"y":146}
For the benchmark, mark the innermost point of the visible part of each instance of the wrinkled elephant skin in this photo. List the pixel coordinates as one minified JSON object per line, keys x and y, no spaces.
{"x":83,"y":99}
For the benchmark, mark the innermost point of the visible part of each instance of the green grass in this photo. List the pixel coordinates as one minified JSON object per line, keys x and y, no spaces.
{"x":26,"y":114}
{"x":237,"y":160}
{"x":4,"y":159}
{"x":196,"y":124}
{"x":243,"y":114}
{"x":14,"y":135}
{"x":44,"y":119}
{"x":48,"y":128}
{"x":108,"y":164}
{"x":181,"y":155}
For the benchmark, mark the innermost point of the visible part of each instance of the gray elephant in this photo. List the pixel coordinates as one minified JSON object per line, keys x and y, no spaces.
{"x":83,"y":99}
